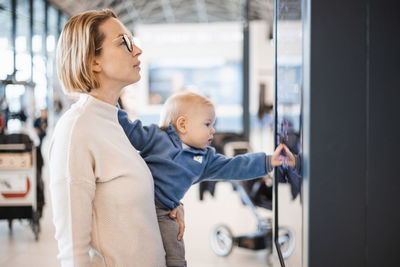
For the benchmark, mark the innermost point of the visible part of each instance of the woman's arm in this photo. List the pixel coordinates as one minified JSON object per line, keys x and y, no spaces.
{"x":72,"y":189}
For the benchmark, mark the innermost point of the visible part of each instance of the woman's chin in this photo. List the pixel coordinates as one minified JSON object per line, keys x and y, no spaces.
{"x":134,"y":79}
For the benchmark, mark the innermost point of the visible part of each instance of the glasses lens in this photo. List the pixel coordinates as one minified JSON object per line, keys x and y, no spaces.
{"x":128,"y":43}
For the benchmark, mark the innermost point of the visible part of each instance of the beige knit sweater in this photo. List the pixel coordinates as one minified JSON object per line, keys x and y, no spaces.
{"x":102,"y":192}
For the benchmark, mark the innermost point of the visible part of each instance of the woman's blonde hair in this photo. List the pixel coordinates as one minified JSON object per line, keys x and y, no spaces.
{"x":180,"y":104}
{"x":79,"y":43}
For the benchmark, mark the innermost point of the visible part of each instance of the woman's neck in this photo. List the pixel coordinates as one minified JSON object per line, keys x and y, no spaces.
{"x":106,"y":95}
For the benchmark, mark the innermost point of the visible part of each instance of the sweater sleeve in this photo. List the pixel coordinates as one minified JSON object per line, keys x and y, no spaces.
{"x":72,"y":190}
{"x":138,"y":135}
{"x":241,"y":167}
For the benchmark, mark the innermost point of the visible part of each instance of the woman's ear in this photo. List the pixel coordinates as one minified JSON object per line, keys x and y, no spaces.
{"x":181,"y":124}
{"x":96,"y":66}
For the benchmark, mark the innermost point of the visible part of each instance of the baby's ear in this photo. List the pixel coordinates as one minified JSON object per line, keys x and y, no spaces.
{"x":181,"y":124}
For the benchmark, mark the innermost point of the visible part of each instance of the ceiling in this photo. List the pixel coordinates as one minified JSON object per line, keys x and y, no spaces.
{"x":134,"y":12}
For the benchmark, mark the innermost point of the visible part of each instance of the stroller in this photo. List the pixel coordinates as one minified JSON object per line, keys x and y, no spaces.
{"x":253,"y":193}
{"x":21,"y":185}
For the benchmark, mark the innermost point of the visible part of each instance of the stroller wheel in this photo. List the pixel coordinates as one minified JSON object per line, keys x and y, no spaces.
{"x":222,"y":240}
{"x":286,"y":241}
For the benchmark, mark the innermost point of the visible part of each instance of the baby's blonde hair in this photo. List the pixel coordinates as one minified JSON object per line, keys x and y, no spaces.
{"x":180,"y":104}
{"x":79,"y":43}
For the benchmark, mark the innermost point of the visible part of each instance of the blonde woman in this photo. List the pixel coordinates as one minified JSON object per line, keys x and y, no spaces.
{"x":102,"y":191}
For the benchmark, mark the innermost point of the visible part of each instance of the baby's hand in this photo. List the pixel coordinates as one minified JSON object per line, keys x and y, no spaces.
{"x":289,"y":159}
{"x":283,"y":156}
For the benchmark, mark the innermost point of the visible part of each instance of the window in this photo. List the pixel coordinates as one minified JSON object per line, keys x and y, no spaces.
{"x":39,"y":54}
{"x":22,"y":42}
{"x":6,"y":49}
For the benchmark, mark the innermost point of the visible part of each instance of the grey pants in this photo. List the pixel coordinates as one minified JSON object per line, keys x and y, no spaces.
{"x":174,"y":248}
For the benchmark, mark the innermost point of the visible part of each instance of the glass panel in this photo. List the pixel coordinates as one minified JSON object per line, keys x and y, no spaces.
{"x":22,"y":42}
{"x":63,"y":20}
{"x":289,"y":71}
{"x":52,"y":13}
{"x":39,"y":54}
{"x":38,"y":16}
{"x":6,"y":49}
{"x":52,"y":35}
{"x":16,"y":114}
{"x":39,"y":78}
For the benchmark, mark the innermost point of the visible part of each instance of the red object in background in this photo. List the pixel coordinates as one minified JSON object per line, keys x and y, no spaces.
{"x":22,"y":194}
{"x":2,"y":122}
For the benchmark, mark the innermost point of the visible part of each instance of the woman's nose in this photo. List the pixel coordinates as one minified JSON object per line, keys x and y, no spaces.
{"x":136,"y":50}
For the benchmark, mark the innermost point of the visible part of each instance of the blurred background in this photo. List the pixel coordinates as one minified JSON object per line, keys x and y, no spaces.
{"x":187,"y":45}
{"x":318,"y":76}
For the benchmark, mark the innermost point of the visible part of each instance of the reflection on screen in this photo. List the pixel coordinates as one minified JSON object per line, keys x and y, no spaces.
{"x":288,"y":182}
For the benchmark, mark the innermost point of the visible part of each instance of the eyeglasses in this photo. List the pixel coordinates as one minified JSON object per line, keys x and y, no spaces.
{"x":128,"y":41}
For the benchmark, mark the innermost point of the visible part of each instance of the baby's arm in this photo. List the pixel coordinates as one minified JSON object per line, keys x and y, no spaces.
{"x":245,"y":166}
{"x":137,"y":134}
{"x":241,"y":167}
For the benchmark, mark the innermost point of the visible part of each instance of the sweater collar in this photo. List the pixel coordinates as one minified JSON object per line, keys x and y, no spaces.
{"x":99,"y":107}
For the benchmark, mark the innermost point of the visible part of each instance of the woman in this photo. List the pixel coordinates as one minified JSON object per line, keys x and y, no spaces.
{"x":101,"y":189}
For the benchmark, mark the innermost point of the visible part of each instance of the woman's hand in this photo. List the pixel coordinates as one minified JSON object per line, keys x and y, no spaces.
{"x":281,"y":155}
{"x":179,"y":214}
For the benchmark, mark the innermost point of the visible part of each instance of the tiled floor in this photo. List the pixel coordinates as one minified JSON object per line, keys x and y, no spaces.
{"x":18,"y":248}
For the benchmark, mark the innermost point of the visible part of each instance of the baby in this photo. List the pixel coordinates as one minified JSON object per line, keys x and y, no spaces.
{"x":178,"y":155}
